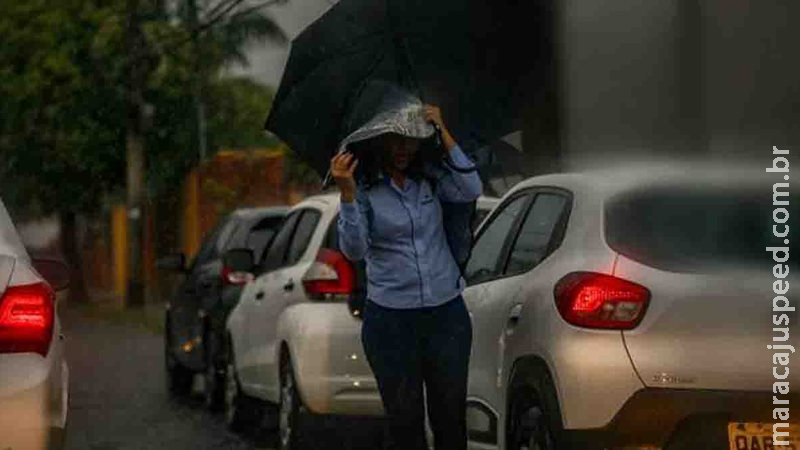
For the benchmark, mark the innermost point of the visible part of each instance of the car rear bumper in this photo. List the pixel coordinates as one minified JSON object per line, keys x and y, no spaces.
{"x":32,"y":401}
{"x":342,"y":395}
{"x":331,"y":369}
{"x":678,"y":419}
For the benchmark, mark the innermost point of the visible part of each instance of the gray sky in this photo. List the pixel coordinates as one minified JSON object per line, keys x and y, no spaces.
{"x":267,"y":60}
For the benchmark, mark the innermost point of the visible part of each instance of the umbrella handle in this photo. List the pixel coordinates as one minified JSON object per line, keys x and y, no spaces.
{"x":438,"y":134}
{"x":327,"y":181}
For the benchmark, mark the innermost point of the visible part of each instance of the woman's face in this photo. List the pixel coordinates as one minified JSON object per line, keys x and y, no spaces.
{"x":400,"y":150}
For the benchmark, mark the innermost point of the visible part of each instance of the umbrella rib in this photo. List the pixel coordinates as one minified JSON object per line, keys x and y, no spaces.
{"x":374,"y":67}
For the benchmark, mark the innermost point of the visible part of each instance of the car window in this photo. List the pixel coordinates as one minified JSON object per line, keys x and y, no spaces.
{"x":9,"y":240}
{"x":261,"y":234}
{"x":332,"y":235}
{"x":488,"y":249}
{"x":224,"y":236}
{"x":302,"y":235}
{"x":532,"y":243}
{"x":693,"y":228}
{"x":480,"y":214}
{"x":274,"y":257}
{"x":208,"y":249}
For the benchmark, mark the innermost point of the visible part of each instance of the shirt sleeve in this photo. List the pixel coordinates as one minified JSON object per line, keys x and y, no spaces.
{"x":352,"y":228}
{"x":455,"y":186}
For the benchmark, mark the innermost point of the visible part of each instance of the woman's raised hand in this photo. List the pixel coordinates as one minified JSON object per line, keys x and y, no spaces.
{"x":433,"y":114}
{"x":343,"y":165}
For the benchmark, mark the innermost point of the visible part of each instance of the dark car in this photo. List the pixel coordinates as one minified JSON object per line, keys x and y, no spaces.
{"x":195,"y":317}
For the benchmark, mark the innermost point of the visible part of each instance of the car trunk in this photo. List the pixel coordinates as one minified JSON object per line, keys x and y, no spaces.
{"x":700,"y":250}
{"x":703,"y":331}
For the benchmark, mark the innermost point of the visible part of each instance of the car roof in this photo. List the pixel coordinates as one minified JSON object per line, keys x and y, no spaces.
{"x":321,"y":201}
{"x":606,"y":183}
{"x":260,"y":212}
{"x":487,"y":202}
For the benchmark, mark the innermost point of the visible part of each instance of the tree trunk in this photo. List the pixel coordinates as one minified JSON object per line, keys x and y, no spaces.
{"x":135,"y":151}
{"x":72,"y":255}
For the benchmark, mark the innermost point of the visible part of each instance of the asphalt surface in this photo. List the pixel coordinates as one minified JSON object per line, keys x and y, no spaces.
{"x":119,"y":400}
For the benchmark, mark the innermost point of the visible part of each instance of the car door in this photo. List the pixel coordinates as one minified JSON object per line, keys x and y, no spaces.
{"x":253,"y":297}
{"x":282,"y":288}
{"x":521,"y":236}
{"x":483,"y":274}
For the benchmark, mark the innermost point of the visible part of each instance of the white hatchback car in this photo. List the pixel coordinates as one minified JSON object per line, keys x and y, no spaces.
{"x":33,"y":372}
{"x":294,"y":337}
{"x":627,"y":309}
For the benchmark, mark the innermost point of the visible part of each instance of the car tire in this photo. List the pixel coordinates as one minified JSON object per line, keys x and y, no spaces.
{"x":290,"y":410}
{"x":213,"y":375}
{"x":179,"y":378}
{"x":534,"y":416}
{"x":239,"y":409}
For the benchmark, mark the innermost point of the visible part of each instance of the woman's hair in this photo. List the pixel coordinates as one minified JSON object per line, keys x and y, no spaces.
{"x":371,"y":160}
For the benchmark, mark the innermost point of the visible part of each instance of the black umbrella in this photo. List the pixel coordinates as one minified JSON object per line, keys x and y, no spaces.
{"x":474,"y":58}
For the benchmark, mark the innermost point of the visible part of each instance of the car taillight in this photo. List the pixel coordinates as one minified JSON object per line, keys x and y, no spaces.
{"x":26,"y":319}
{"x":594,"y":300}
{"x":330,"y":277}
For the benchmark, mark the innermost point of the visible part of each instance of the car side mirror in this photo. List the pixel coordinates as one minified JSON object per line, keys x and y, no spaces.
{"x":54,"y":271}
{"x":237,"y":266}
{"x":174,"y":261}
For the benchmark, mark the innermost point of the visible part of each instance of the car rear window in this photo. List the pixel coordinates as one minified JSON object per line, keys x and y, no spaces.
{"x":693,"y":229}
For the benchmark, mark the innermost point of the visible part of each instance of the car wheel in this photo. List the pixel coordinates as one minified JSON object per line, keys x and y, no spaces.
{"x":239,"y":409}
{"x":289,"y":410}
{"x":214,"y":377}
{"x":532,"y":431}
{"x":179,"y":378}
{"x":535,"y":420}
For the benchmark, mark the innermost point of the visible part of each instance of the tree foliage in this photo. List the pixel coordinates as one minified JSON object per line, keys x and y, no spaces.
{"x":62,"y":80}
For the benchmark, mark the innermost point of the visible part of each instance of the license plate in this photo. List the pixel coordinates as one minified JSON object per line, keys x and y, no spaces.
{"x":758,"y":436}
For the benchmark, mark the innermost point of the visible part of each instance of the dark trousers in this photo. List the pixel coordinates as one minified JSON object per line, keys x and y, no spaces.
{"x":409,"y":348}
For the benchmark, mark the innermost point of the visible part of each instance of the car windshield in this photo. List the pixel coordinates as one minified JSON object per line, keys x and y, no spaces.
{"x":693,"y":229}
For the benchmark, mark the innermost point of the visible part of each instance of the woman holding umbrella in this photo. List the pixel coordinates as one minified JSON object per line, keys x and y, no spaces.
{"x":416,"y":330}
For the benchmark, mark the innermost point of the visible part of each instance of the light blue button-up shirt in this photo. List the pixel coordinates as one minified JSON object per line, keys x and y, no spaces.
{"x":399,"y":232}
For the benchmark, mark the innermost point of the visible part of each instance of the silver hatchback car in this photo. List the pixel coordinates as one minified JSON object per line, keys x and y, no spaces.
{"x":626,"y":310}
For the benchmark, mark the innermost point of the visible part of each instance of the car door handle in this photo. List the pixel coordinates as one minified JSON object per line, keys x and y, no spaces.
{"x":260,"y":295}
{"x":513,"y":318}
{"x":289,"y":285}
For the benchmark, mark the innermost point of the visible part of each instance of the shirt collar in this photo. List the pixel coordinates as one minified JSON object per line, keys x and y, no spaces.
{"x":387,"y":180}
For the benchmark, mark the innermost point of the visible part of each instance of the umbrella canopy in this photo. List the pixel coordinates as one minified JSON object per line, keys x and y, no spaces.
{"x":474,"y":58}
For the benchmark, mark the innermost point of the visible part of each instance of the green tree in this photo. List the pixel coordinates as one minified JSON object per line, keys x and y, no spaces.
{"x":62,"y":118}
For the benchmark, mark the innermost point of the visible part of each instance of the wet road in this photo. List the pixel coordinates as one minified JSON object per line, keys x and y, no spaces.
{"x":119,"y":400}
